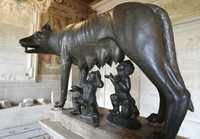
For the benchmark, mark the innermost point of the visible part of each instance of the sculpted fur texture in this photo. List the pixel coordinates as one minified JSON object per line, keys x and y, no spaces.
{"x":143,"y":32}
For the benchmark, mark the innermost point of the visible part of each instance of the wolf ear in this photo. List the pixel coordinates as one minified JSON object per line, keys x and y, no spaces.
{"x":47,"y":28}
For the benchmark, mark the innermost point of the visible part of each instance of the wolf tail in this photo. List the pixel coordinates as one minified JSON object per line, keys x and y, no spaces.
{"x":168,"y":40}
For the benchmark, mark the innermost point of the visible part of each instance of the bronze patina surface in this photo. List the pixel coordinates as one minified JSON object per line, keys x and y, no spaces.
{"x":143,"y":32}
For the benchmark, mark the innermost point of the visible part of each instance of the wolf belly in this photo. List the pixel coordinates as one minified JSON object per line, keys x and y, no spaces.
{"x":99,"y":55}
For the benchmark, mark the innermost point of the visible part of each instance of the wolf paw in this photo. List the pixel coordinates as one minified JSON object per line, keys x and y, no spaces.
{"x":154,"y":118}
{"x":58,"y":105}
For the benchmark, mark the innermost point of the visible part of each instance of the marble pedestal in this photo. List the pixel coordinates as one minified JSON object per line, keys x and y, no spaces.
{"x":79,"y":128}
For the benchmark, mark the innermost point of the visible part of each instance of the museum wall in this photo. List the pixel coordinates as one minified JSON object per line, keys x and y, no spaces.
{"x":59,"y":14}
{"x":32,"y":76}
{"x":18,"y":70}
{"x":185,"y":16}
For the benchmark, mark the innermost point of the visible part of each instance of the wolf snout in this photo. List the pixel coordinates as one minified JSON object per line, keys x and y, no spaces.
{"x":22,"y":42}
{"x":27,"y":43}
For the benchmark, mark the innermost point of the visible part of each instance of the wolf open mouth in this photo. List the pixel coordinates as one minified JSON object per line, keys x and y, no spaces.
{"x":29,"y":46}
{"x":30,"y":50}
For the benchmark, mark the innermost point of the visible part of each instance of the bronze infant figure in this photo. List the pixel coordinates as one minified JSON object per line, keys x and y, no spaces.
{"x":86,"y":103}
{"x":143,"y":32}
{"x":125,"y":111}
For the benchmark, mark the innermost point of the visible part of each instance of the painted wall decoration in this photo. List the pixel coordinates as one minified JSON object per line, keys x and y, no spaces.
{"x":59,"y":14}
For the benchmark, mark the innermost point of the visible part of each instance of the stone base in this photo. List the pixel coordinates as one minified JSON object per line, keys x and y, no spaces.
{"x":106,"y":130}
{"x":57,"y":131}
{"x":130,"y":123}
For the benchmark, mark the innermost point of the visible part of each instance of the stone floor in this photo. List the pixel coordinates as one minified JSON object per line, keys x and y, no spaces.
{"x":28,"y":131}
{"x":18,"y":116}
{"x":22,"y":123}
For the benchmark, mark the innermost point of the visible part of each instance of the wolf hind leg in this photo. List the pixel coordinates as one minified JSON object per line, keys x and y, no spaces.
{"x":176,"y":101}
{"x":169,"y":45}
{"x":158,"y":70}
{"x":177,"y":105}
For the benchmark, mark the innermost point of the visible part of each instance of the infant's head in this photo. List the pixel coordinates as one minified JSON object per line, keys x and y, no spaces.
{"x":125,"y":68}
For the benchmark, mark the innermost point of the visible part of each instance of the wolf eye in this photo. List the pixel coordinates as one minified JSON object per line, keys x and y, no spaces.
{"x":36,"y":35}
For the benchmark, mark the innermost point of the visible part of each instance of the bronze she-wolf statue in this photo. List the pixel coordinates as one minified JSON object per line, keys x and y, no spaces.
{"x":143,"y":32}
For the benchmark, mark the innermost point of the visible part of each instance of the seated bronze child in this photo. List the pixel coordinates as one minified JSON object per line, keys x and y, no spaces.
{"x":124,"y":112}
{"x":85,"y":102}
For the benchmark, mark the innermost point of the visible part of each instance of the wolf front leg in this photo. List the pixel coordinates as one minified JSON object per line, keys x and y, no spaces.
{"x":65,"y":72}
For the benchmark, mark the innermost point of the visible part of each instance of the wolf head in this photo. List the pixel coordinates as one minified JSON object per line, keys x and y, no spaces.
{"x":38,"y":42}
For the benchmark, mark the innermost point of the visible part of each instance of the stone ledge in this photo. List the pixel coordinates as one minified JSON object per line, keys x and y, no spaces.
{"x":17,"y":116}
{"x":106,"y":130}
{"x":57,"y":131}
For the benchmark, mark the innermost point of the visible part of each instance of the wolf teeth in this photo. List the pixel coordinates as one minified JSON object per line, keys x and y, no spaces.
{"x":30,"y":49}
